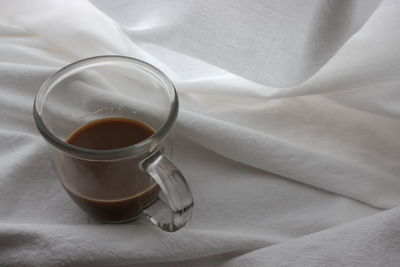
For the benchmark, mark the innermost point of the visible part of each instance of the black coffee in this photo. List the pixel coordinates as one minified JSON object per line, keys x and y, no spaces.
{"x":110,"y":191}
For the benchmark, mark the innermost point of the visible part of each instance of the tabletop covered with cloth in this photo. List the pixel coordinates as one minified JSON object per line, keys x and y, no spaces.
{"x":288,"y":132}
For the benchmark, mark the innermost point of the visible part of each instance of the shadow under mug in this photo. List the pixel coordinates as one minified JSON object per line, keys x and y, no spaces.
{"x":121,"y":184}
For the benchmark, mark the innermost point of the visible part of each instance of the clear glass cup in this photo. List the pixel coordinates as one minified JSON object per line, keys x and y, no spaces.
{"x":115,"y":87}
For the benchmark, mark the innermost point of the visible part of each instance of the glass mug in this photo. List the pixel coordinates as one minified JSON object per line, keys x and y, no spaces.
{"x":115,"y":185}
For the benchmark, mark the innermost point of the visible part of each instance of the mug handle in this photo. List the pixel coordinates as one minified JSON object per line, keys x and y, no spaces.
{"x":173,"y":212}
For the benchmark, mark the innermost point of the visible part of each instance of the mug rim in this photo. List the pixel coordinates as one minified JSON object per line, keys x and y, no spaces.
{"x":148,"y":144}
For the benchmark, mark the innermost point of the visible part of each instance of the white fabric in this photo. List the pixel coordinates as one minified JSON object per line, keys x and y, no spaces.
{"x":287,"y":134}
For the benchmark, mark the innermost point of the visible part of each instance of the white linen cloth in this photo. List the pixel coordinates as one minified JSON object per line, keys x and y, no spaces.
{"x":287,"y":133}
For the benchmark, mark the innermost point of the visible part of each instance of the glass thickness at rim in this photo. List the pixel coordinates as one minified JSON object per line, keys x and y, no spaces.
{"x":129,"y":151}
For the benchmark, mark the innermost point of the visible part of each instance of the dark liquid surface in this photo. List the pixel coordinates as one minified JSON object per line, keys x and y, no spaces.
{"x":110,"y":190}
{"x":112,"y":133}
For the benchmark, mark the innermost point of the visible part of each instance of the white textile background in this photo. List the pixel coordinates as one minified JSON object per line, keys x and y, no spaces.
{"x":287,"y":133}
